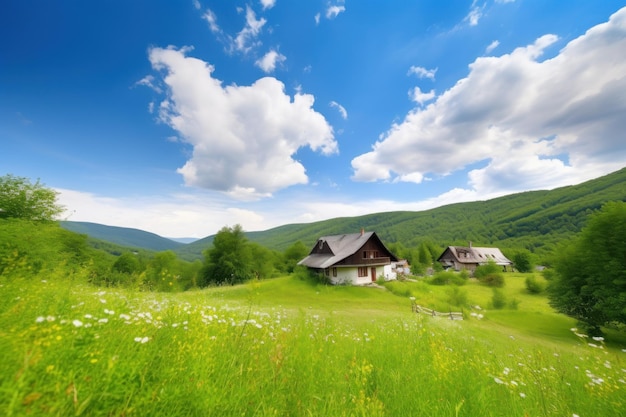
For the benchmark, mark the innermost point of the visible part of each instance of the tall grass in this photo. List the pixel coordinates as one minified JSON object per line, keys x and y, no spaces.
{"x":284,"y":347}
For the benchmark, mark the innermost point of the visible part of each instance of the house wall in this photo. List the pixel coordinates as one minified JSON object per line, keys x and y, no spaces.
{"x":369,"y":247}
{"x":349,"y":275}
{"x":388,"y":273}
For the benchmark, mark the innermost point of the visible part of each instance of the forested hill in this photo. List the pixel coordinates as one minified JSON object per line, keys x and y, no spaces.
{"x":535,"y":220}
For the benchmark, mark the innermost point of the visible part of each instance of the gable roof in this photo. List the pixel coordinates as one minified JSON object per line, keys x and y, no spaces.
{"x":338,"y":248}
{"x":475,"y":255}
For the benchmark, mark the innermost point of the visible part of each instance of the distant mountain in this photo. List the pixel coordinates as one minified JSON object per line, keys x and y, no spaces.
{"x":535,"y":220}
{"x":184,"y":240}
{"x":122,"y":236}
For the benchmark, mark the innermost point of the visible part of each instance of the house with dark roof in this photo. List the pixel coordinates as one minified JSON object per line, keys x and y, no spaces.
{"x":470,"y":257}
{"x":356,"y":258}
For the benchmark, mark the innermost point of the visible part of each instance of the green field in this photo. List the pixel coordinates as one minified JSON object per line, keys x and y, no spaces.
{"x":287,"y":347}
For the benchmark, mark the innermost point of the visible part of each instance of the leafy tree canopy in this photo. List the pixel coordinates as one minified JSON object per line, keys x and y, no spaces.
{"x":19,"y":198}
{"x":229,"y":260}
{"x":590,"y":283}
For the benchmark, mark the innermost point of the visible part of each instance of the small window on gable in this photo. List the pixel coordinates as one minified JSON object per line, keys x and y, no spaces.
{"x":320,"y":244}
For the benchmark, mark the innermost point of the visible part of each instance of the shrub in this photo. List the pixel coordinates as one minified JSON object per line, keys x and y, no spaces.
{"x":498,"y":300}
{"x":534,"y":286}
{"x":487,"y":269}
{"x":548,"y":274}
{"x":447,"y":277}
{"x":493,"y":280}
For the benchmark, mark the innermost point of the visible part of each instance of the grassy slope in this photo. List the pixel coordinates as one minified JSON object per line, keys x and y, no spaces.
{"x":288,"y":347}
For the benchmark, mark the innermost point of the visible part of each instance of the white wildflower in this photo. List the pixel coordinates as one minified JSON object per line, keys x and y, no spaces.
{"x":77,"y":323}
{"x":498,"y":380}
{"x":40,"y":319}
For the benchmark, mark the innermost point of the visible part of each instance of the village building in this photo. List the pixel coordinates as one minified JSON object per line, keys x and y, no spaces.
{"x":356,"y":258}
{"x":470,"y":257}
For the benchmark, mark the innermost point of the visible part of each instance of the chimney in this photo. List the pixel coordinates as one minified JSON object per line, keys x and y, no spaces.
{"x":470,"y":243}
{"x":362,"y":231}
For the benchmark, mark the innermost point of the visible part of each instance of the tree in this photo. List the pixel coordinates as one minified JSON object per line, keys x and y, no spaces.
{"x":590,"y":279}
{"x":127,"y":263}
{"x":521,"y":260}
{"x":229,"y":260}
{"x":294,"y":254}
{"x":19,"y":198}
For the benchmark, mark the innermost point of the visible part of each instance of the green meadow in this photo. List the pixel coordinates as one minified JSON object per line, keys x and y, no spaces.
{"x":291,"y":347}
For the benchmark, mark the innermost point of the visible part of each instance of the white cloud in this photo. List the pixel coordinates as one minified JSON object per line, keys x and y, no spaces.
{"x":243,"y":137}
{"x":210,"y":17}
{"x":179,"y":215}
{"x":518,"y":118}
{"x":340,"y":108}
{"x":268,"y":4}
{"x":422,"y":72}
{"x":269,"y":61}
{"x":493,"y":45}
{"x":333,"y":10}
{"x":317,"y":19}
{"x":420,"y":97}
{"x":196,"y":4}
{"x":148,"y":81}
{"x":474,"y":14}
{"x":247,"y":38}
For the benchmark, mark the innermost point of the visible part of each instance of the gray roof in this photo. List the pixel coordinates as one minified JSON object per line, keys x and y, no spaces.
{"x":477,"y":255}
{"x":341,"y":246}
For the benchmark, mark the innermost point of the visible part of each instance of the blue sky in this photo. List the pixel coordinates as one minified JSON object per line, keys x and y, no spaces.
{"x":181,"y":117}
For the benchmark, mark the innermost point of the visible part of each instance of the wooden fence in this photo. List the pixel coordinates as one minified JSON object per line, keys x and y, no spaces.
{"x":452,"y":315}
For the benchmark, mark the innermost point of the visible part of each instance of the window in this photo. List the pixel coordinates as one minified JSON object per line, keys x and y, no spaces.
{"x":326,"y":272}
{"x":334,"y":272}
{"x":362,"y":271}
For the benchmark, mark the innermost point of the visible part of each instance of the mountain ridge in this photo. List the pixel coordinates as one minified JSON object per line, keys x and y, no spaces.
{"x":533,"y":220}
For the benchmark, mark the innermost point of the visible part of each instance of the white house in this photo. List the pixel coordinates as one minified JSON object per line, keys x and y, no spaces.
{"x":356,"y":258}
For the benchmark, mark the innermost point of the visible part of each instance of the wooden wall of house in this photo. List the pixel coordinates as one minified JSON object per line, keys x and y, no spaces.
{"x":371,"y":247}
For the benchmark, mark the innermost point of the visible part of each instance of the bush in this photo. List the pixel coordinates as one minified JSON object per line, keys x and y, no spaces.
{"x":487,"y":269}
{"x":308,"y":275}
{"x":498,"y":300}
{"x":493,"y":280}
{"x":447,"y":277}
{"x":534,"y":286}
{"x":548,"y":274}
